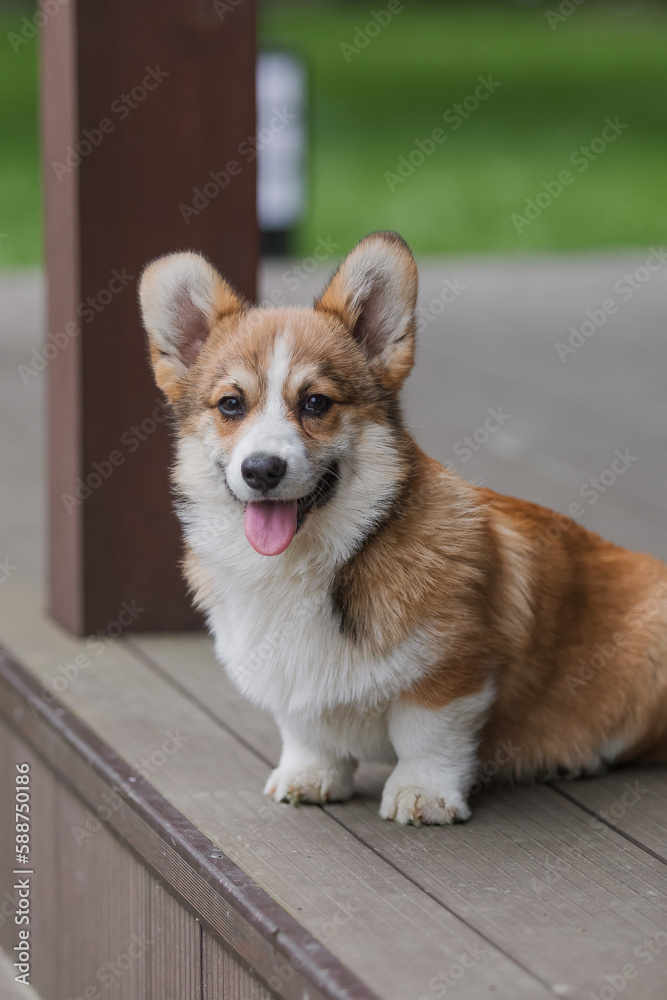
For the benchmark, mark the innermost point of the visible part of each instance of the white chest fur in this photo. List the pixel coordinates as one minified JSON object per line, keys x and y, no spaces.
{"x":277,"y":634}
{"x":276,"y":631}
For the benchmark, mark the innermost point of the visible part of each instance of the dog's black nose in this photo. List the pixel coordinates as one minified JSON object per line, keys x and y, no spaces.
{"x":263,"y":472}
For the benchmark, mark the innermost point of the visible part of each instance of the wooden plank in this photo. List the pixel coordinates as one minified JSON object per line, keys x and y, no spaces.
{"x":104,"y":893}
{"x":189,"y":664}
{"x":175,"y":952}
{"x":142,"y":104}
{"x":223,"y":976}
{"x":572,"y":902}
{"x":632,"y":800}
{"x":376,"y":922}
{"x":563,"y":895}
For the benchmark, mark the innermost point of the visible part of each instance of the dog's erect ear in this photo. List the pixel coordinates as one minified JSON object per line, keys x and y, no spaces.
{"x":374,"y":292}
{"x":182,"y":296}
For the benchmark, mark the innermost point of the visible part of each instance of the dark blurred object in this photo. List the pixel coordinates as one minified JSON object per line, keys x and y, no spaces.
{"x":281,"y":105}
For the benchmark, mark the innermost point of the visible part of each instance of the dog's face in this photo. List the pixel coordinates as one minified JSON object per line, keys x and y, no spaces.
{"x":285,"y":407}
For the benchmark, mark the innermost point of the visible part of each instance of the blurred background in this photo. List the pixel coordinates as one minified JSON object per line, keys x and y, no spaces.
{"x":521,"y":150}
{"x":563,"y":68}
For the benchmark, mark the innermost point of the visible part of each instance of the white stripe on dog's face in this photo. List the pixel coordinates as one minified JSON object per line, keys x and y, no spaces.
{"x":271,"y":432}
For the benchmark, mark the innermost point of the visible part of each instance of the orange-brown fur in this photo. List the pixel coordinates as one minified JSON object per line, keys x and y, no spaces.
{"x":572,"y":629}
{"x":481,"y":569}
{"x":593,"y":658}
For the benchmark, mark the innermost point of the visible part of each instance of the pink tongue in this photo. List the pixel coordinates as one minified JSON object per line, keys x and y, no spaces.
{"x":270,"y":525}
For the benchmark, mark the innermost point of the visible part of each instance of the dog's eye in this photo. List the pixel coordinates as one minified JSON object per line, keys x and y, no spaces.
{"x":317,"y":405}
{"x":231,"y":406}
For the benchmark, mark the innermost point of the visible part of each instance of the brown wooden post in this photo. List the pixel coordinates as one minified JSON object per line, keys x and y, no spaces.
{"x":142,"y":103}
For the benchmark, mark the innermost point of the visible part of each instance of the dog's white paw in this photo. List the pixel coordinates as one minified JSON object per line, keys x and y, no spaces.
{"x":415,"y":804}
{"x":310,"y":784}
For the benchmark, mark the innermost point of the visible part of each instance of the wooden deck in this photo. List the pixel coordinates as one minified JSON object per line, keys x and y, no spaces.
{"x":550,"y":890}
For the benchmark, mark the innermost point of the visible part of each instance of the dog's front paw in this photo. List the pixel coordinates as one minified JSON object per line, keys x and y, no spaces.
{"x":416,"y":804}
{"x":310,"y":784}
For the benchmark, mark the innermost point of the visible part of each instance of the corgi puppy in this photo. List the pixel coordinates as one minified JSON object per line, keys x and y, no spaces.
{"x":377,"y":604}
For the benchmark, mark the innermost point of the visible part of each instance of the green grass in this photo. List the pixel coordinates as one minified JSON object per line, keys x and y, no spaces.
{"x":557,"y":87}
{"x":20,"y":183}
